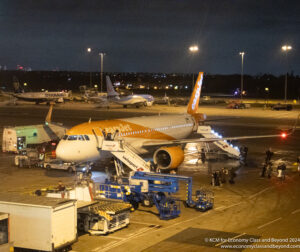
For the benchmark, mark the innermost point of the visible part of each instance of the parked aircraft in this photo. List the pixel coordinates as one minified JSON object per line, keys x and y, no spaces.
{"x":134,"y":99}
{"x":145,"y":134}
{"x":37,"y":97}
{"x":104,"y":99}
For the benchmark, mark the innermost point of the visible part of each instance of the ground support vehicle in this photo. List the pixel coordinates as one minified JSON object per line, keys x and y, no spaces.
{"x":59,"y":165}
{"x":156,"y":188}
{"x":279,"y":106}
{"x":205,"y":199}
{"x":40,"y":223}
{"x":95,"y":217}
{"x":27,"y":158}
{"x":102,"y":216}
{"x":168,"y":207}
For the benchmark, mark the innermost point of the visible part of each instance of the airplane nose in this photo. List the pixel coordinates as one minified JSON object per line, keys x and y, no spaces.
{"x":61,"y":152}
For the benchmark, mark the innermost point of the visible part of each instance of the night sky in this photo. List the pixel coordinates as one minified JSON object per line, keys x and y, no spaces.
{"x":150,"y":35}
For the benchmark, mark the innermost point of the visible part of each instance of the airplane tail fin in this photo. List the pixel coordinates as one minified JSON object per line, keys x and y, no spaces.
{"x":110,"y":89}
{"x":49,"y":115}
{"x":194,"y":100}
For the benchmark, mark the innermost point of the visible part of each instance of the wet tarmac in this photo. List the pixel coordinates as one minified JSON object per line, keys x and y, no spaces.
{"x":252,"y":207}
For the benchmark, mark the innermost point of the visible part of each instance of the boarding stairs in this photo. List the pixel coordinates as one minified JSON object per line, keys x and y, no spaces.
{"x":123,"y":152}
{"x":229,"y":149}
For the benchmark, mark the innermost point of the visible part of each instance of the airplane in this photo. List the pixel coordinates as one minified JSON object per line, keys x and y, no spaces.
{"x":134,"y":99}
{"x":37,"y":97}
{"x":165,"y":134}
{"x":104,"y":99}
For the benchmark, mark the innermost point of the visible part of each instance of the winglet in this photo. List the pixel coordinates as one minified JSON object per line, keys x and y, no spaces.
{"x":194,"y":100}
{"x":49,"y":115}
{"x":109,"y":87}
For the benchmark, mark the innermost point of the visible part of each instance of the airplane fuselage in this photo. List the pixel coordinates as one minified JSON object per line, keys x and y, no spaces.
{"x":80,"y":143}
{"x":41,"y":96}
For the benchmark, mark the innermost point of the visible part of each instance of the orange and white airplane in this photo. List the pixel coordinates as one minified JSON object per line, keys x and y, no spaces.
{"x":143,"y":134}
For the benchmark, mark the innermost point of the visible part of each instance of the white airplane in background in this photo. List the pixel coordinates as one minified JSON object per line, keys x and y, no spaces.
{"x":37,"y":97}
{"x":112,"y":96}
{"x":144,"y":134}
{"x":135,"y":99}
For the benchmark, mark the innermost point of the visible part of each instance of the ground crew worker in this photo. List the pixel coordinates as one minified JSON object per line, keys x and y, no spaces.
{"x":283,"y":167}
{"x":203,"y":157}
{"x":281,"y":170}
{"x":269,"y":155}
{"x":231,"y":175}
{"x":213,"y":179}
{"x":104,"y":133}
{"x":245,"y":153}
{"x":223,"y":176}
{"x":263,"y":172}
{"x":116,"y":135}
{"x":61,"y":186}
{"x":217,"y":178}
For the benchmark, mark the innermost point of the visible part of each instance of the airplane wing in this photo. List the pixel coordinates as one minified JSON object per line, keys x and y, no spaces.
{"x":208,"y":140}
{"x":219,"y":138}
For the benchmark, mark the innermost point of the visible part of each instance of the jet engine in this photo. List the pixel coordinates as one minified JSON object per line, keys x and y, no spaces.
{"x":168,"y":157}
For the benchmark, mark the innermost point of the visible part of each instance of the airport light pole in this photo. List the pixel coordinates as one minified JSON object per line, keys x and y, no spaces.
{"x":242,"y":75}
{"x":285,"y":49}
{"x":89,"y":50}
{"x":101,"y":70}
{"x":193,"y":50}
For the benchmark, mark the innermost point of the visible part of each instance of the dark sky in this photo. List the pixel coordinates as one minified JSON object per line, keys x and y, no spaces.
{"x":150,"y":35}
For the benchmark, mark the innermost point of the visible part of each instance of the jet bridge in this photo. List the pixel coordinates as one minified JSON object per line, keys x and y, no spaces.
{"x":228,"y":148}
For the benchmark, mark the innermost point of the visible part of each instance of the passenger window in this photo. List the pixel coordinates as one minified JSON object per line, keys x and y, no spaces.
{"x":74,"y":137}
{"x":65,"y":137}
{"x":86,"y":137}
{"x":80,"y":137}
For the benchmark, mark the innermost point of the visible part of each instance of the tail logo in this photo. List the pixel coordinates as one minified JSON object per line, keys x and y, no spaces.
{"x":197,"y":94}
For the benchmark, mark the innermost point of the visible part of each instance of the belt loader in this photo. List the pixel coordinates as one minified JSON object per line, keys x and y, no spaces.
{"x":96,"y":217}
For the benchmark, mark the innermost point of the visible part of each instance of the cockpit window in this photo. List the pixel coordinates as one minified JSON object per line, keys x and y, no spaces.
{"x":74,"y":137}
{"x":65,"y":137}
{"x":86,"y":137}
{"x":80,"y":137}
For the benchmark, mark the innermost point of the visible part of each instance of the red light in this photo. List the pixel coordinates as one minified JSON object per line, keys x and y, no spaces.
{"x":283,"y":135}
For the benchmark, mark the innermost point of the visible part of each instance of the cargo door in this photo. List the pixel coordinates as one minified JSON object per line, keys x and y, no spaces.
{"x":64,"y":224}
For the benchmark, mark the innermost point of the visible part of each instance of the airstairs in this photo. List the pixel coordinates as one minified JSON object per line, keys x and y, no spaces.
{"x":228,"y":148}
{"x":126,"y":155}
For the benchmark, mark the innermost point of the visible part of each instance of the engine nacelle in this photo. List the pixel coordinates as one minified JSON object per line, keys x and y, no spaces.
{"x":168,"y":157}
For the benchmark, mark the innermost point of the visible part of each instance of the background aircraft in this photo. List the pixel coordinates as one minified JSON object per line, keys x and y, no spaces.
{"x":37,"y":97}
{"x":137,"y":100}
{"x":104,"y":99}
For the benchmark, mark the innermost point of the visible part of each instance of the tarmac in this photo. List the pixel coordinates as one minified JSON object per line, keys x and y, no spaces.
{"x":252,"y":213}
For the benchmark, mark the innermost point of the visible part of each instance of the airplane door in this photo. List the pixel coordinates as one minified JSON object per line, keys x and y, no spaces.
{"x":21,"y":143}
